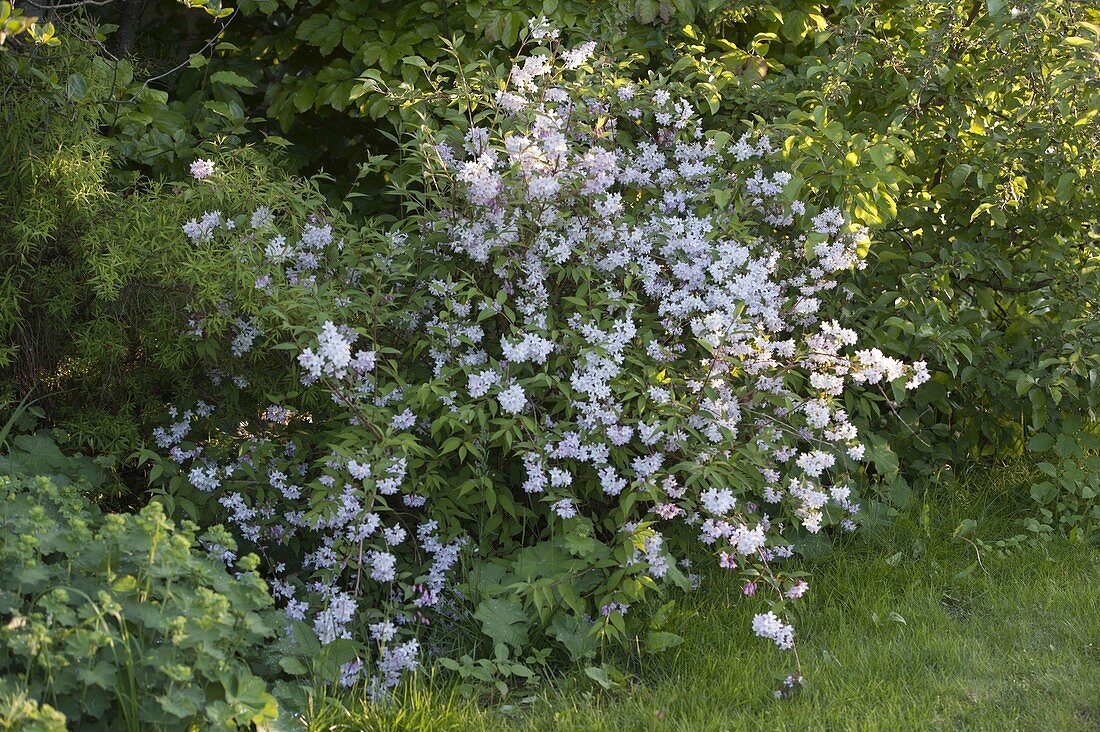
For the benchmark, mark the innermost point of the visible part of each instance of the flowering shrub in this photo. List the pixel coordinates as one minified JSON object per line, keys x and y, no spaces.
{"x":605,"y":342}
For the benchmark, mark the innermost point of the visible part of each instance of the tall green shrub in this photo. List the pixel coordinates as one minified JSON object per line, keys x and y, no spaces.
{"x":97,"y":284}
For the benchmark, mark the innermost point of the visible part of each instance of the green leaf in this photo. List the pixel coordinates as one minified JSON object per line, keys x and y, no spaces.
{"x":1047,"y":469}
{"x":76,"y":88}
{"x":814,"y":546}
{"x":125,"y":584}
{"x":968,"y":526}
{"x":881,"y":155}
{"x":182,"y":703}
{"x":503,"y":620}
{"x":1040,"y":442}
{"x":1042,"y":492}
{"x":231,"y":78}
{"x":960,"y":174}
{"x":600,"y":676}
{"x":293,"y":666}
{"x":1078,"y":41}
{"x":575,"y":634}
{"x":646,"y":11}
{"x":658,"y":641}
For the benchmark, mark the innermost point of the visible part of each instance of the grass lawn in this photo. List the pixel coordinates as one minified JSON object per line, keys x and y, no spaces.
{"x":895,"y":634}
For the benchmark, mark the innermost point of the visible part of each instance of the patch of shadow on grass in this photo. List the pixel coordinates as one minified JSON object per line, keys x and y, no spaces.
{"x":957,"y":607}
{"x":1089,"y":717}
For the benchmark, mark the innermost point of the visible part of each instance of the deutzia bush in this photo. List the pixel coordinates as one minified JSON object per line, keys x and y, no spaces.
{"x":601,"y":353}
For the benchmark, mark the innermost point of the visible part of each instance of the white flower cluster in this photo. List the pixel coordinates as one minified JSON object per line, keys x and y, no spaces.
{"x":203,"y":229}
{"x":202,"y":169}
{"x":768,"y":625}
{"x":333,"y":356}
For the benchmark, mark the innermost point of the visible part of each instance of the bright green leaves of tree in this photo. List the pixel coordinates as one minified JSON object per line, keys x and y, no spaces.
{"x":968,"y":138}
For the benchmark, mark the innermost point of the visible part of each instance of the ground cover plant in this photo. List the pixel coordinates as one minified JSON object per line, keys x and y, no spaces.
{"x":587,"y":315}
{"x":124,"y":621}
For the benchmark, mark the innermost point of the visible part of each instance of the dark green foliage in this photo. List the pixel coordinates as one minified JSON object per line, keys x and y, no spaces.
{"x":98,"y":283}
{"x":327,"y":65}
{"x":315,"y":77}
{"x":38,"y":454}
{"x":49,"y":193}
{"x":122,"y":620}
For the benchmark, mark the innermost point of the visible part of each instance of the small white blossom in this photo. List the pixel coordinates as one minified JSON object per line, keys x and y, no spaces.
{"x":202,"y":169}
